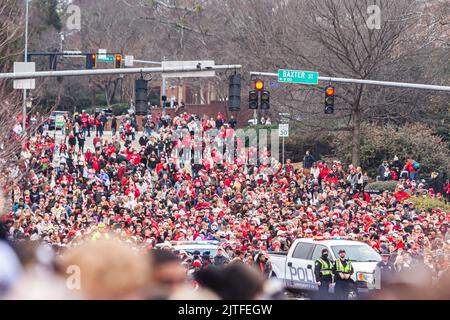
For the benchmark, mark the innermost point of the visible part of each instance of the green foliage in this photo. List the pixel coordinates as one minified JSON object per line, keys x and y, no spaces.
{"x":382,"y":185}
{"x":53,"y":18}
{"x":119,"y":108}
{"x":416,"y":141}
{"x":425,"y":203}
{"x":298,"y":142}
{"x":198,"y":8}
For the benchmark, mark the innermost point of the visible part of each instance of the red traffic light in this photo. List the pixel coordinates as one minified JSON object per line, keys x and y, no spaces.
{"x":329,"y":91}
{"x":259,"y":85}
{"x":118,"y":57}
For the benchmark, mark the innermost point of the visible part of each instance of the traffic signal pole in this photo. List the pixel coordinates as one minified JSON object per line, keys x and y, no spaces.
{"x":98,"y":72}
{"x":369,"y":82}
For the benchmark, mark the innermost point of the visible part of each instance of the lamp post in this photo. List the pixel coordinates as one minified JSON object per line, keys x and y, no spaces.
{"x":24,"y":106}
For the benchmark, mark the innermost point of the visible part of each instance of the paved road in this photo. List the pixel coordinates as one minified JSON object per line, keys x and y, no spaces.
{"x":89,"y":140}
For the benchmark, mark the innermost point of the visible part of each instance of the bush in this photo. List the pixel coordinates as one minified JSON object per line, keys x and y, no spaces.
{"x":382,"y":185}
{"x":119,"y":108}
{"x":415,"y":141}
{"x":425,"y":203}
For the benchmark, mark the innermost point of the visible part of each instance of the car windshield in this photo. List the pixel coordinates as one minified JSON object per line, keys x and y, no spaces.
{"x":358,"y":253}
{"x":212,"y":252}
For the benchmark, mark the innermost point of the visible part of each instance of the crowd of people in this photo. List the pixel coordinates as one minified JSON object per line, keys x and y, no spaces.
{"x":144,"y":193}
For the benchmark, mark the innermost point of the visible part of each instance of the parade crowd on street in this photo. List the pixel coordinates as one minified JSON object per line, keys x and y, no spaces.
{"x":137,"y":188}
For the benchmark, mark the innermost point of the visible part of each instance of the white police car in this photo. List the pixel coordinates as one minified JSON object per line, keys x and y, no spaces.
{"x":190,"y":246}
{"x":296,"y":267}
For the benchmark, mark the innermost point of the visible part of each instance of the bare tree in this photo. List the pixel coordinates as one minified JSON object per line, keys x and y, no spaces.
{"x":12,"y":167}
{"x":333,"y":37}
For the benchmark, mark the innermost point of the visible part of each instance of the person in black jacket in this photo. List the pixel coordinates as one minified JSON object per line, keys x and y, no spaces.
{"x":72,"y":140}
{"x":81,"y":140}
{"x":387,"y":270}
{"x":308,"y":160}
{"x":220,"y":259}
{"x":324,"y":275}
{"x":114,"y":125}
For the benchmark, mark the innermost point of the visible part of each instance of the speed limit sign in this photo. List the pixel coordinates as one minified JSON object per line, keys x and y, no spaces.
{"x":283,"y":130}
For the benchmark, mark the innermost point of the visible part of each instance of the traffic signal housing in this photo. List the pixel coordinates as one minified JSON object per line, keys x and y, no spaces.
{"x":329,"y":100}
{"x":91,"y":61}
{"x":253,"y":99}
{"x":265,"y":100}
{"x":234,"y":92}
{"x":141,"y":96}
{"x":117,"y":61}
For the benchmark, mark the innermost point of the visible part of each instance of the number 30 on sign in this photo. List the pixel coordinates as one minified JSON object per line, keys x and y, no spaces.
{"x":283,"y":130}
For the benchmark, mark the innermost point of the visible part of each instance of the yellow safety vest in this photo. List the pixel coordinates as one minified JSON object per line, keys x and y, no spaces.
{"x":340,"y":267}
{"x":325,"y":267}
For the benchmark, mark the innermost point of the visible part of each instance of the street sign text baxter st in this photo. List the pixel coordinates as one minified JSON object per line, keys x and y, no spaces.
{"x":298,"y":76}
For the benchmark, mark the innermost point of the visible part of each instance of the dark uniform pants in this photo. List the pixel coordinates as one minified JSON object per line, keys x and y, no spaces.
{"x":342,"y":289}
{"x":324,"y":289}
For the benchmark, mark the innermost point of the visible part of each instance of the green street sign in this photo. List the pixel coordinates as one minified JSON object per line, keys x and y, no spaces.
{"x":105,"y":58}
{"x":298,"y":76}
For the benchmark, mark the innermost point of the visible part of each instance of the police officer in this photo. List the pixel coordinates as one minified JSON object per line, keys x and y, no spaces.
{"x":342,"y":270}
{"x":323,"y":273}
{"x":387,"y":270}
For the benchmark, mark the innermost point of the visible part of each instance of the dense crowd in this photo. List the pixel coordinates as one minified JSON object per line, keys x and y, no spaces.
{"x":139,"y":188}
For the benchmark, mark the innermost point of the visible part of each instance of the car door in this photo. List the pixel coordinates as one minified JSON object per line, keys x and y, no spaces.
{"x":298,"y":275}
{"x":316,"y":254}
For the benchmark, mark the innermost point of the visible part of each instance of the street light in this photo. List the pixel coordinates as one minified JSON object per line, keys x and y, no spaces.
{"x":25,"y":54}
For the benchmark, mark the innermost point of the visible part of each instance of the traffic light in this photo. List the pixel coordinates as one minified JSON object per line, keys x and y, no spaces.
{"x":329,"y":100}
{"x":265,"y":100}
{"x":234,"y":92}
{"x":253,"y":99}
{"x":117,"y":61}
{"x":259,"y":85}
{"x":52,"y":61}
{"x":141,"y":96}
{"x":91,"y":61}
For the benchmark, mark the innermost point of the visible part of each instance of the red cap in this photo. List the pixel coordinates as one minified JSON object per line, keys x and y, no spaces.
{"x":197,"y":263}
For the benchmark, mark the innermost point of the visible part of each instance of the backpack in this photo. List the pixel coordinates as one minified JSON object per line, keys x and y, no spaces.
{"x":416,"y":165}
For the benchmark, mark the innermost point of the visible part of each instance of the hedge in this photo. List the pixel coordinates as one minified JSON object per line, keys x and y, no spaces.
{"x":426,"y":203}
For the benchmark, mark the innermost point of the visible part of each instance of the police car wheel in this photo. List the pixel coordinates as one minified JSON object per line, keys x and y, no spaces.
{"x":352,"y":295}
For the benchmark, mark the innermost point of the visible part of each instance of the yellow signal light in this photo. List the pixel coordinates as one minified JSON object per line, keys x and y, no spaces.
{"x":259,"y":85}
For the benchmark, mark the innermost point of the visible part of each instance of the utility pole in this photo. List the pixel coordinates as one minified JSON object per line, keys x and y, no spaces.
{"x":24,"y":105}
{"x":100,"y":72}
{"x":369,"y":82}
{"x":163,"y":93}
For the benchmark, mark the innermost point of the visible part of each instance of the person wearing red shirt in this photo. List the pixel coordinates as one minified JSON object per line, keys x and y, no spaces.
{"x":134,"y":158}
{"x":323,"y":172}
{"x":401,"y":194}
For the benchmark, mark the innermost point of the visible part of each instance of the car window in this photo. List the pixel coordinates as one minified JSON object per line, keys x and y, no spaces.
{"x":317,"y":253}
{"x":302,"y":250}
{"x":358,"y":253}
